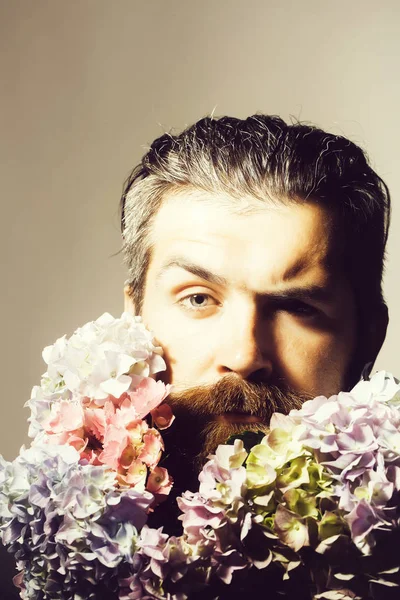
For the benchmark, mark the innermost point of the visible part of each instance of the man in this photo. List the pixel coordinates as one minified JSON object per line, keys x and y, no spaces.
{"x":255,"y":252}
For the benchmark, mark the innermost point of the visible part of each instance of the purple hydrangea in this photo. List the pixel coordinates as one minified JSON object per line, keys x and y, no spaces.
{"x":71,"y":530}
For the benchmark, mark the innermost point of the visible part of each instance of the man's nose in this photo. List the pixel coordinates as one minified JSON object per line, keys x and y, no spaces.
{"x":243,"y":348}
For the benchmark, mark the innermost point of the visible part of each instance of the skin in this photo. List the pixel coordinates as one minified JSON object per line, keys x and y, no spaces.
{"x":247,"y":289}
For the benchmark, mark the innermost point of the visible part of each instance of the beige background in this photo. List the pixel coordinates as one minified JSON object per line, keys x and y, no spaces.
{"x":86,"y":84}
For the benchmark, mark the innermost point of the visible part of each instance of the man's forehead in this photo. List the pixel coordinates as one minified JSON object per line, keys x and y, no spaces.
{"x":201,"y":214}
{"x":279,"y":242}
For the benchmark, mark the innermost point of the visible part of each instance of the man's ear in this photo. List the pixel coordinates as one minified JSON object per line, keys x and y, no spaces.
{"x":129,"y":305}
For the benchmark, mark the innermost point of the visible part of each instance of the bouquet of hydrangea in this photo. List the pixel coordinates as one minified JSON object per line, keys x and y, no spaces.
{"x":73,"y":506}
{"x":314,"y":505}
{"x":308,"y":511}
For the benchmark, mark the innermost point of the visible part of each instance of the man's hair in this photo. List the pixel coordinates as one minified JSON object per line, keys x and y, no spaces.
{"x":265,"y":158}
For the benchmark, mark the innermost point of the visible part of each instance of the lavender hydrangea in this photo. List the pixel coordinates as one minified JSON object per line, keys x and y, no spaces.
{"x":69,"y":527}
{"x":356,"y":436}
{"x":321,"y":488}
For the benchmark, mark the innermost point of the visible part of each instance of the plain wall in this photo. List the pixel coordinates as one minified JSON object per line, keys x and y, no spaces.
{"x":87,"y":84}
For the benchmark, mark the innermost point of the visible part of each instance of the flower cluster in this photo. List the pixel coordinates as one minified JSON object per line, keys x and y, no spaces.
{"x":95,"y":394}
{"x":67,"y":523}
{"x":322,"y":487}
{"x":73,"y":506}
{"x":356,"y":436}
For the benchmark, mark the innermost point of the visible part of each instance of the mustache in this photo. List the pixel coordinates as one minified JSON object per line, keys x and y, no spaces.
{"x":232,"y":394}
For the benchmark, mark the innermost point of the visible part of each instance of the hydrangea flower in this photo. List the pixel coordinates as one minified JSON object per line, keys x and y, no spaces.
{"x":326,"y":476}
{"x":66,"y":521}
{"x":96,"y":393}
{"x":72,"y":506}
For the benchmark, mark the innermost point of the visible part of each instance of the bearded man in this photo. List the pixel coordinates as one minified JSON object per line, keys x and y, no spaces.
{"x":255,"y":252}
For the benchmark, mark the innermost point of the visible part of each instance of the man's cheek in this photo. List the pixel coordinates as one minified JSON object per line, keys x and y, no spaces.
{"x":303,"y":362}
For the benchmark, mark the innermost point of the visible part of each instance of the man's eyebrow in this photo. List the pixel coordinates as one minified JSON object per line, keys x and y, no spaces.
{"x":193,"y":268}
{"x":310,"y":293}
{"x":314,"y":293}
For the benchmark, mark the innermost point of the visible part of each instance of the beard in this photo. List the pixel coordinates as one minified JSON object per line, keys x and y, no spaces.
{"x":200,"y":425}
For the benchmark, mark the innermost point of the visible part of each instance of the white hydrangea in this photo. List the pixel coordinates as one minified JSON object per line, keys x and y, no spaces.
{"x":104,"y":357}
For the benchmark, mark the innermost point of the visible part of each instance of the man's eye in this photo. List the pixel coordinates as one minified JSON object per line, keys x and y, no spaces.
{"x":301,"y":309}
{"x":197,"y":301}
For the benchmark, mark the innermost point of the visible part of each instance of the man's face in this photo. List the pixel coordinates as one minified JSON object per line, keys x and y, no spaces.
{"x":248,"y":294}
